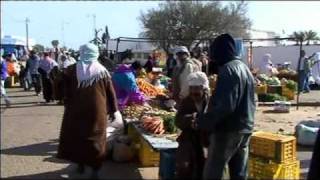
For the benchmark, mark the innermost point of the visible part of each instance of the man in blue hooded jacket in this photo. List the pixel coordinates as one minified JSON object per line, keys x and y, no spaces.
{"x":230,"y":114}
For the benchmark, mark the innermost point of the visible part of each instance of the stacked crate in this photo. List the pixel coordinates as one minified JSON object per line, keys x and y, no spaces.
{"x":273,"y":156}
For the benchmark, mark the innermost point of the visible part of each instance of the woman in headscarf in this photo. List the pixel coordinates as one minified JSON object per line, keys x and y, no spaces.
{"x":190,"y":155}
{"x":266,"y":66}
{"x":88,"y":99}
{"x":45,"y":66}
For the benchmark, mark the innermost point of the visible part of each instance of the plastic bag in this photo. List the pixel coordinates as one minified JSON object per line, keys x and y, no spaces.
{"x":311,"y":80}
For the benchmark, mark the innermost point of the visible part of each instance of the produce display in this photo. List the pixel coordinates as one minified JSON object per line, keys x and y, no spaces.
{"x":153,"y":125}
{"x":148,"y":89}
{"x":287,"y":72}
{"x":169,"y":124}
{"x":263,"y":77}
{"x":274,"y":97}
{"x":273,"y":81}
{"x":292,"y":85}
{"x":135,"y":111}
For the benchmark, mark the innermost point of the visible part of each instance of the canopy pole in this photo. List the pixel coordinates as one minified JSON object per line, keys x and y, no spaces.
{"x":298,"y":72}
{"x":118,"y":41}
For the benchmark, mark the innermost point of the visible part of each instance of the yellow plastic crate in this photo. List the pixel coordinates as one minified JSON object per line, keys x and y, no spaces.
{"x":261,"y":89}
{"x":135,"y":137}
{"x":288,"y":93}
{"x":147,"y":156}
{"x":279,"y":148}
{"x":133,"y":133}
{"x":266,"y":169}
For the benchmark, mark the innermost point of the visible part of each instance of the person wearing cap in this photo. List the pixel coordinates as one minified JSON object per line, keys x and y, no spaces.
{"x":89,"y":100}
{"x":185,"y":67}
{"x":230,"y":115}
{"x":190,"y":156}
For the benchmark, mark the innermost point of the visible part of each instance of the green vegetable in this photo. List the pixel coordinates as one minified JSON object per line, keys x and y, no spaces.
{"x":292,"y":85}
{"x":169,"y":124}
{"x":274,"y":97}
{"x":274,"y":81}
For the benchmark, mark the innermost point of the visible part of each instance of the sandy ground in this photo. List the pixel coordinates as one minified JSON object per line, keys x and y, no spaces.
{"x":267,"y":120}
{"x":30,"y":131}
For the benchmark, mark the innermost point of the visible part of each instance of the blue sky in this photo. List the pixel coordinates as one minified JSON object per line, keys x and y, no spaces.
{"x":46,"y":18}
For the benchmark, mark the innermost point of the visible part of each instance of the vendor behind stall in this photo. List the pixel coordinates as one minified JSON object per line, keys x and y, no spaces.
{"x":267,"y":67}
{"x":126,"y":87}
{"x":190,"y":156}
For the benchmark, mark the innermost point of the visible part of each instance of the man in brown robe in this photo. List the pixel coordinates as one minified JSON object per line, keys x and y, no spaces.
{"x":190,"y":157}
{"x":89,"y":97}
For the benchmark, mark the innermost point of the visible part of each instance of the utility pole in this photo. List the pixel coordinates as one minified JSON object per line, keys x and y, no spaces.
{"x":62,"y":31}
{"x":94,"y":22}
{"x":27,"y":33}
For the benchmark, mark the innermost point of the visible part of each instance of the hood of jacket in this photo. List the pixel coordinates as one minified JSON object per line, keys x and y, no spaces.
{"x":223,"y":49}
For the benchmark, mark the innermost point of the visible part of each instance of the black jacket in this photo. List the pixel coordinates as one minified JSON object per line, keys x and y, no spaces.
{"x":232,"y":106}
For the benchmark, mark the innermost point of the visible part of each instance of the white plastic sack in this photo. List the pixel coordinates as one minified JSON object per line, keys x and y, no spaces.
{"x":117,"y":122}
{"x":312,"y":80}
{"x":307,"y":133}
{"x":114,"y":129}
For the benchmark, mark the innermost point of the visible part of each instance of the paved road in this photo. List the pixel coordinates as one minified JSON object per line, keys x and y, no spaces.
{"x":29,"y":134}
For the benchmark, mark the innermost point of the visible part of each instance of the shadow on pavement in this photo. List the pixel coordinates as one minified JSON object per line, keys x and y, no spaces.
{"x":41,"y":149}
{"x":110,"y":170}
{"x":26,"y":105}
{"x":48,"y":175}
{"x":273,"y":112}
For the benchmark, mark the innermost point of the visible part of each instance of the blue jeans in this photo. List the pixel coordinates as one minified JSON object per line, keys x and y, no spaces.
{"x":230,"y":149}
{"x":304,"y":81}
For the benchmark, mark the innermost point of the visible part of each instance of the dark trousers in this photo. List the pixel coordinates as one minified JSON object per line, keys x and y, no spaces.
{"x":47,"y":89}
{"x":314,"y":172}
{"x":36,"y":81}
{"x":230,"y":149}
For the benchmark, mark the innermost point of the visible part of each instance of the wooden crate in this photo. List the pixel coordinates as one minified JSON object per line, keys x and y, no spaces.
{"x":277,"y":147}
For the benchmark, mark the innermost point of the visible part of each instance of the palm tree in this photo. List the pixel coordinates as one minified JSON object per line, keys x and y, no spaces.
{"x":310,"y":35}
{"x":55,"y":43}
{"x":299,"y":37}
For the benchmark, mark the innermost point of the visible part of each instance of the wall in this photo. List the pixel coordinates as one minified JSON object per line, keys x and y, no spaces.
{"x":281,"y":54}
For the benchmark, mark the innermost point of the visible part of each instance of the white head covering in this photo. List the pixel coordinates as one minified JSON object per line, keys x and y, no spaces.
{"x":13,"y":57}
{"x":266,"y":65}
{"x":182,"y":49}
{"x":89,"y":70}
{"x":198,"y":79}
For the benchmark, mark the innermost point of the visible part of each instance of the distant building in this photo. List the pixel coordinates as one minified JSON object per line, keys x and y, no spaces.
{"x":262,"y":34}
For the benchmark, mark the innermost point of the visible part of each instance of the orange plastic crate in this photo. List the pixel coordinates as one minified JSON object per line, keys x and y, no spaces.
{"x":260,"y":168}
{"x":279,"y":148}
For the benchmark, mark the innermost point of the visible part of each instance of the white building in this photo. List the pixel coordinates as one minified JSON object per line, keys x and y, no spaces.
{"x":262,"y":34}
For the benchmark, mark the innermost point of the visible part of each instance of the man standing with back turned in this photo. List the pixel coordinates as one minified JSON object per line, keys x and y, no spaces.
{"x":230,"y":114}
